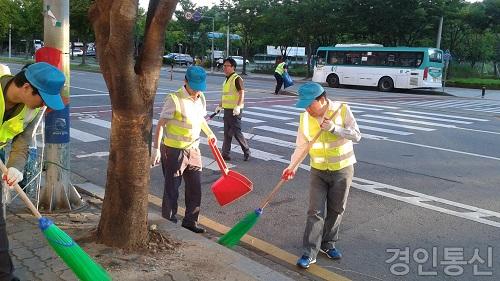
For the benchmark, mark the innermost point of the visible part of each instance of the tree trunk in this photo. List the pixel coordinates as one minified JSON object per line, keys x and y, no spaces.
{"x":132,"y":86}
{"x":124,"y":215}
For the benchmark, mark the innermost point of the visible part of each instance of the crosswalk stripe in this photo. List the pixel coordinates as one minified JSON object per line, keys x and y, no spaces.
{"x":269,"y":140}
{"x":98,"y":122}
{"x":455,"y":104}
{"x":409,"y":121}
{"x":362,"y":120}
{"x":440,"y":103}
{"x":372,"y":105}
{"x":289,"y":107}
{"x":444,"y":115}
{"x":428,"y":118}
{"x":277,"y":130}
{"x":83,"y":136}
{"x":266,"y":115}
{"x":466,"y":104}
{"x":389,"y":131}
{"x":275,"y":110}
{"x":364,"y":107}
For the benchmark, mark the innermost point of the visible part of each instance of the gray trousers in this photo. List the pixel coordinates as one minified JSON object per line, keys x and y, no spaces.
{"x":328,"y":193}
{"x":232,"y":128}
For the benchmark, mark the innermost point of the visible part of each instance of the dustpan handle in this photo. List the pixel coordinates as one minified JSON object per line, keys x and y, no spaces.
{"x":294,"y":165}
{"x":21,"y":193}
{"x":218,"y":156}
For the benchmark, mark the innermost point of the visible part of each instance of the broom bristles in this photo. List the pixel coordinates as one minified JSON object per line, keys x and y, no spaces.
{"x":68,"y":250}
{"x":234,"y":235}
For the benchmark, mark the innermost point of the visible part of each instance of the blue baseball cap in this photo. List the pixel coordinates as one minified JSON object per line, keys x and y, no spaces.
{"x":196,"y":77}
{"x":307,"y":93}
{"x":49,"y":81}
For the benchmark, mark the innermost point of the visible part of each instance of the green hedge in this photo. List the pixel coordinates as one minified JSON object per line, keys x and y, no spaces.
{"x":475,"y":83}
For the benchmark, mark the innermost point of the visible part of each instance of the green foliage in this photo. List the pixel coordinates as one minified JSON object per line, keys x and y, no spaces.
{"x":474,"y":83}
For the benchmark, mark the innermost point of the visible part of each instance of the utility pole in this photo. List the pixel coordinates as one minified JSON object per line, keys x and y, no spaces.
{"x":440,"y":29}
{"x":227,"y":37}
{"x":10,"y":40}
{"x":58,"y":192}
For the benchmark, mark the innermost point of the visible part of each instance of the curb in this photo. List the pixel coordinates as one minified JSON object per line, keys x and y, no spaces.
{"x":239,"y":262}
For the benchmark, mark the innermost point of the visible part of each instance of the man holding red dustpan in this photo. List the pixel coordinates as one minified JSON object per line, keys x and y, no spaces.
{"x":181,"y":120}
{"x":331,"y":159}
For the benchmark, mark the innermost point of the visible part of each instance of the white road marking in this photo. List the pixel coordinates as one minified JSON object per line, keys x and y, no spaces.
{"x":394,"y":125}
{"x":409,"y":121}
{"x":428,"y":118}
{"x":83,"y":136}
{"x":389,"y":131}
{"x":444,"y":115}
{"x":266,"y":115}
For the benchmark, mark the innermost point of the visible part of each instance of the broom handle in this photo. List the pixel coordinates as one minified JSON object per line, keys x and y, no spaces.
{"x":294,"y":165}
{"x":21,"y":193}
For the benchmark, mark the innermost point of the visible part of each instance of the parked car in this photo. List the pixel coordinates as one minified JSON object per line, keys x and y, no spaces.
{"x":90,"y":52}
{"x":183,"y":59}
{"x":239,"y":60}
{"x":77,"y":52}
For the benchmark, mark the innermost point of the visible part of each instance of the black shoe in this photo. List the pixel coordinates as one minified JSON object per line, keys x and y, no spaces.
{"x":194,"y":228}
{"x":246,"y":156}
{"x":227,"y":158}
{"x":173,"y":219}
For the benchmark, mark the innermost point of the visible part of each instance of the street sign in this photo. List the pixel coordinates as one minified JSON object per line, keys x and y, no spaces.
{"x":196,"y":16}
{"x":188,"y":15}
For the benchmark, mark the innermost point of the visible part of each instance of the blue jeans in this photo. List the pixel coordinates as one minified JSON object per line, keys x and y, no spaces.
{"x":6,"y":266}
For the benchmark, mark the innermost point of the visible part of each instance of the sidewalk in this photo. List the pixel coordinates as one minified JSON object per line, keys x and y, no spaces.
{"x":185,"y":256}
{"x":472,"y":93}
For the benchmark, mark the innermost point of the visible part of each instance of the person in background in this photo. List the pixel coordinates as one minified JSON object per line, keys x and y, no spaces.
{"x":23,"y":95}
{"x":281,"y":68}
{"x":176,"y":145}
{"x":331,"y":160}
{"x":233,"y":96}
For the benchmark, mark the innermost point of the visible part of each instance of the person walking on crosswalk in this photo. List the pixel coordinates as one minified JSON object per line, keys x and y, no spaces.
{"x":22,"y":96}
{"x":233,"y":96}
{"x":181,"y":120}
{"x":331,"y":160}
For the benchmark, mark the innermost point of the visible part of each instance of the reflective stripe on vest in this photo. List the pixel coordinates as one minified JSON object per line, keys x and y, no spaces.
{"x":280,"y":68}
{"x":230,"y":94}
{"x":16,"y":124}
{"x":178,"y":131}
{"x":329,"y":152}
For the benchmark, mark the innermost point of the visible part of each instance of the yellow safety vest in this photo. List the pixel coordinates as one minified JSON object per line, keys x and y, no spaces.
{"x":230,"y":94}
{"x":16,"y":124}
{"x":329,"y":152}
{"x":280,"y":68}
{"x":178,"y":131}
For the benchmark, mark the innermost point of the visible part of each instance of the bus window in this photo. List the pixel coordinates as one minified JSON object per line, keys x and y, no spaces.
{"x":435,"y":56}
{"x":321,"y":58}
{"x":335,"y":57}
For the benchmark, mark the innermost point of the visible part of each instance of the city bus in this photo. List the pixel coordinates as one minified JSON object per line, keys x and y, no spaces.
{"x":383,"y":67}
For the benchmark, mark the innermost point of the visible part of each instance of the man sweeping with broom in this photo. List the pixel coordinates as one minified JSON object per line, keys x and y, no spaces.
{"x":331,"y":159}
{"x":22,"y":96}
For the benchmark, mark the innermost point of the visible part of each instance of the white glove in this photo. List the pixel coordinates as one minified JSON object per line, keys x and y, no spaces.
{"x":155,"y":156}
{"x":219,"y":109}
{"x":328,"y":125}
{"x":237,"y":110}
{"x":12,"y":177}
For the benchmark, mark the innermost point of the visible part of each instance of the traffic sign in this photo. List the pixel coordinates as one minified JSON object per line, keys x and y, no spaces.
{"x":188,"y":15}
{"x":196,"y":16}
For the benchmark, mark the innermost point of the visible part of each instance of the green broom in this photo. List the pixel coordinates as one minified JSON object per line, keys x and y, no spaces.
{"x":67,"y":249}
{"x":234,"y":235}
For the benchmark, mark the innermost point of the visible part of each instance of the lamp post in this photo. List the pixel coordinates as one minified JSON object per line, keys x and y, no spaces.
{"x":10,"y":40}
{"x":213,"y":34}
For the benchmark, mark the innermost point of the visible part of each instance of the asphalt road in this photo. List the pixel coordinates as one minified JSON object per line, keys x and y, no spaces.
{"x":424,"y":204}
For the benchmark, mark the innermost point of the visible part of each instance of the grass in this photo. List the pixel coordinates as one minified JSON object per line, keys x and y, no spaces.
{"x":474,"y":83}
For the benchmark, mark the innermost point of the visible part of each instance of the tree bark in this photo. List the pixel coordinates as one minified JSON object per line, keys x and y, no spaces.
{"x":132,"y":87}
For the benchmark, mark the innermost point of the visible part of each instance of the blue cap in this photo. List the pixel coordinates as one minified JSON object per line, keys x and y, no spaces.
{"x":49,"y":81}
{"x":307,"y":93}
{"x":195,"y":77}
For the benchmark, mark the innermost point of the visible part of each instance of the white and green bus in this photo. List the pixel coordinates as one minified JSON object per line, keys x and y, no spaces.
{"x":383,"y":67}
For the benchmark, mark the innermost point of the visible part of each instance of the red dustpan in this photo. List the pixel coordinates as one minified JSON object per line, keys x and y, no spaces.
{"x":232,"y":185}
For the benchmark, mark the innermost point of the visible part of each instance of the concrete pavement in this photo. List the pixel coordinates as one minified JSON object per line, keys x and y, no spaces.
{"x":196,"y":257}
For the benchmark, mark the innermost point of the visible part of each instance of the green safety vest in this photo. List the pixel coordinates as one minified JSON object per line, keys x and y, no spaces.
{"x":280,"y":68}
{"x":230,"y":94}
{"x":329,"y":152}
{"x":178,"y":132}
{"x":16,"y":124}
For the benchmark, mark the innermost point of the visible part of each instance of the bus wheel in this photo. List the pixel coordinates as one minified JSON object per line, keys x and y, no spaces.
{"x":333,"y":81}
{"x":385,"y":84}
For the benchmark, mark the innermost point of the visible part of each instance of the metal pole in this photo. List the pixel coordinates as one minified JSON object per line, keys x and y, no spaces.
{"x":227,"y":40}
{"x":213,"y":34}
{"x":10,"y":40}
{"x":440,"y":29}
